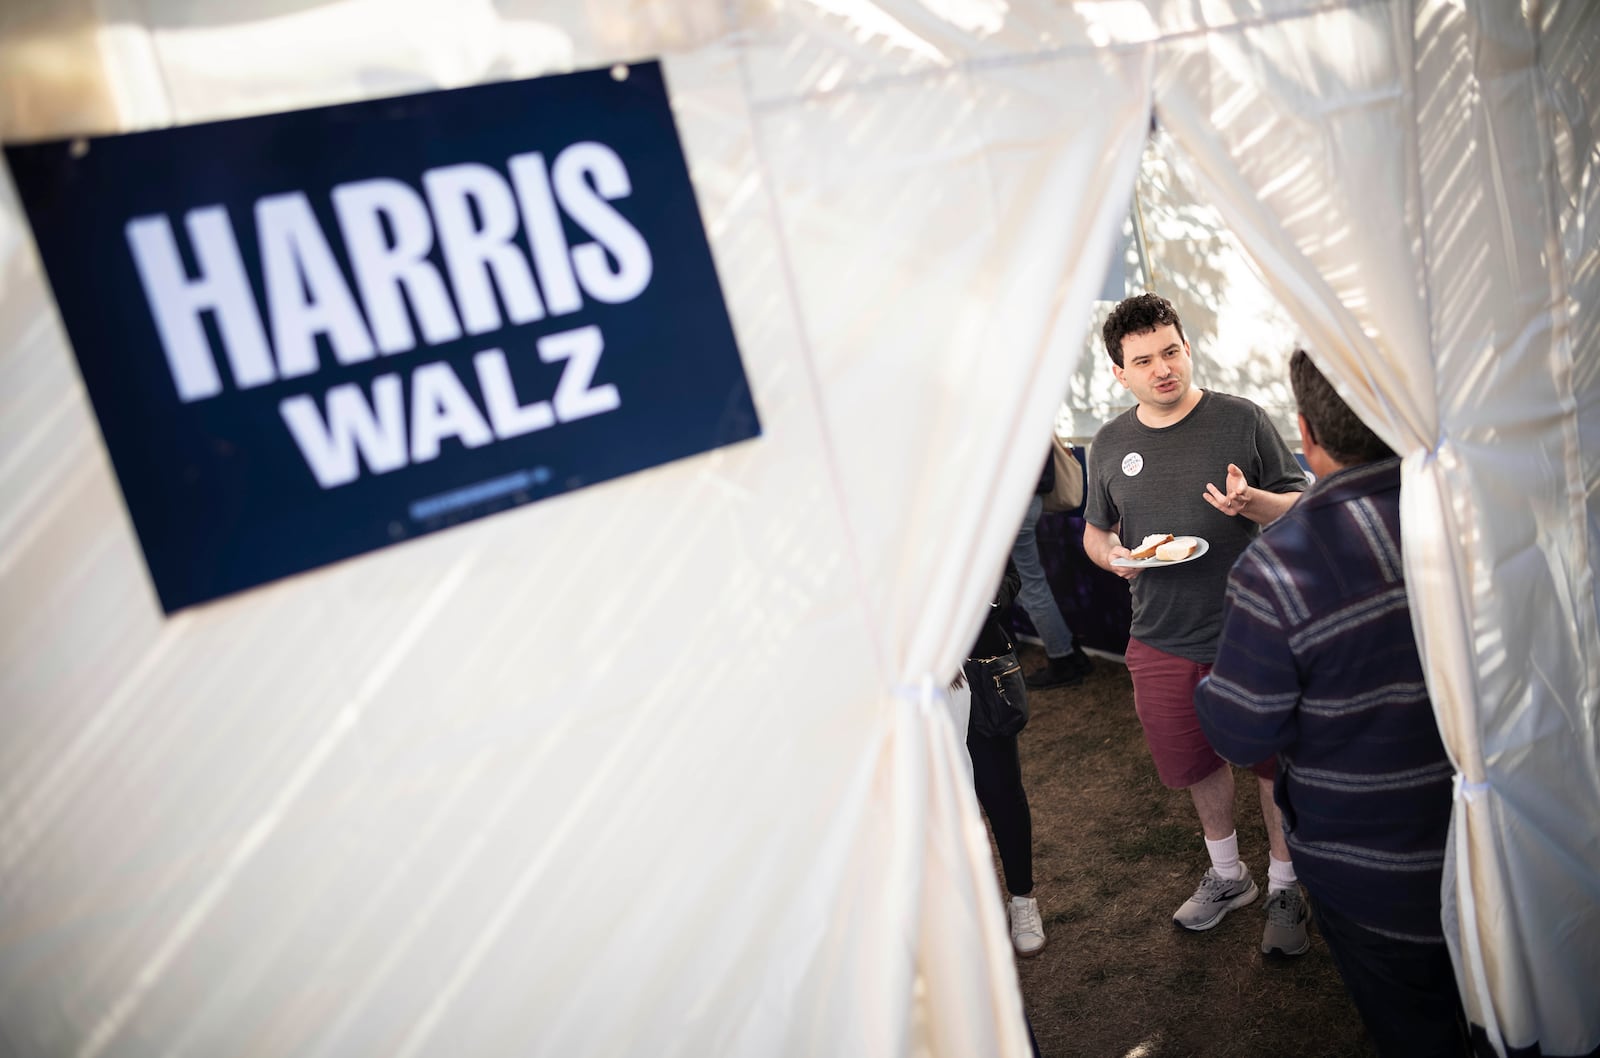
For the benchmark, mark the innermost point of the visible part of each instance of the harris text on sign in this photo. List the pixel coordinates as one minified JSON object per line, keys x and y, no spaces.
{"x":388,"y":231}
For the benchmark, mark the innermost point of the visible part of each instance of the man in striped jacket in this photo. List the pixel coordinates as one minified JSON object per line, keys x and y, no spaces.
{"x":1318,"y":665}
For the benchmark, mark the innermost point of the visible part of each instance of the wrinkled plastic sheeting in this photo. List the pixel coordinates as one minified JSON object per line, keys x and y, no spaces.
{"x":658,"y":767}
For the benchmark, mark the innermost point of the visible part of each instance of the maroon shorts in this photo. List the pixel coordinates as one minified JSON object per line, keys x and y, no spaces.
{"x":1163,"y":696}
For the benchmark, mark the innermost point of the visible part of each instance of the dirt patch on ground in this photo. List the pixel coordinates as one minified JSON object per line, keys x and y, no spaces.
{"x":1115,"y":853}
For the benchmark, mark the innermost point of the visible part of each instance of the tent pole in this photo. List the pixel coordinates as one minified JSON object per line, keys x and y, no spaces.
{"x":1145,"y":271}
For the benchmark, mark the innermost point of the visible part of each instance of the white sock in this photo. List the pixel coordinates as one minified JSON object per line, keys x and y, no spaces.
{"x":1280,"y":874}
{"x":1225,"y":857}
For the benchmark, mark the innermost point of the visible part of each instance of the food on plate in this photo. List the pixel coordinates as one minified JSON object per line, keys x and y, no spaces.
{"x":1147,"y":549}
{"x":1177,"y":548}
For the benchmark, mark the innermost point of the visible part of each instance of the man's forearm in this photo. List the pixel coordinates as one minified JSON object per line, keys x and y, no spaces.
{"x":1264,"y":508}
{"x":1097,"y":544}
{"x":1249,"y":705}
{"x":1237,"y":729}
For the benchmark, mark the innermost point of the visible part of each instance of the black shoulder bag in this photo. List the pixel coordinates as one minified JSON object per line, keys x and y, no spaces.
{"x":999,"y":697}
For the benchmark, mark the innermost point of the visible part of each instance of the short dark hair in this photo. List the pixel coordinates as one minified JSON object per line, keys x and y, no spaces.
{"x":1338,"y":430}
{"x":1137,"y":315}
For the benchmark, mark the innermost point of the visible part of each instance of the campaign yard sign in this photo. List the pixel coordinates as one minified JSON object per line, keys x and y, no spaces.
{"x":313,"y":334}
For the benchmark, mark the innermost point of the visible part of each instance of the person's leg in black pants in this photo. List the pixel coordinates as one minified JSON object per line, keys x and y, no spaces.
{"x":997,"y":778}
{"x":1406,"y":992}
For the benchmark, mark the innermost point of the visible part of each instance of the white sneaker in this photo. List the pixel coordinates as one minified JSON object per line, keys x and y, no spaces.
{"x":1027,"y":928}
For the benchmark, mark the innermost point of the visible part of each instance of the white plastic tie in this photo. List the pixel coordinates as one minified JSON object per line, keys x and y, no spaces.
{"x":926,"y":694}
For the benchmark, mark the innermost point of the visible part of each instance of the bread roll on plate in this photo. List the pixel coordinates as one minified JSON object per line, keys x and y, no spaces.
{"x":1147,"y":549}
{"x":1176,"y":548}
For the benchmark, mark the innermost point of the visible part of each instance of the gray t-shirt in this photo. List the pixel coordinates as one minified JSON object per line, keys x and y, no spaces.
{"x":1153,"y":481}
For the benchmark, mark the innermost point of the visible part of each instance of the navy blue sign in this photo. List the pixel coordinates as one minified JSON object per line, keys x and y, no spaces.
{"x":310,"y":335}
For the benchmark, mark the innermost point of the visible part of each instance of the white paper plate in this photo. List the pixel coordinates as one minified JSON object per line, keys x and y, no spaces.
{"x":1202,"y":546}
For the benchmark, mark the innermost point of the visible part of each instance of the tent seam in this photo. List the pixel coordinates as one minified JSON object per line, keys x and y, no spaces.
{"x":830,"y":453}
{"x":906,"y":844}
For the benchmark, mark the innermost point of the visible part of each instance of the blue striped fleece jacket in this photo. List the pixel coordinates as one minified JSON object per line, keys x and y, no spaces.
{"x":1318,"y":664}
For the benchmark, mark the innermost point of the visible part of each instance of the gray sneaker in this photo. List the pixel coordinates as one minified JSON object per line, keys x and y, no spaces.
{"x":1215,"y":897}
{"x":1286,"y":924}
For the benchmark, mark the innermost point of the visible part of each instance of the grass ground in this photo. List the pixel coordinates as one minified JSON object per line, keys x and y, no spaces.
{"x":1115,"y":853}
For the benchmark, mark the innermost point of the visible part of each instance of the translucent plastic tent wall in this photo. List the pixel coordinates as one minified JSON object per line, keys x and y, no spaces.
{"x":660,"y":767}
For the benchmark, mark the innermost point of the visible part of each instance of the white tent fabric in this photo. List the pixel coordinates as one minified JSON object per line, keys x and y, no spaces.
{"x":659,"y":767}
{"x":1394,"y":169}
